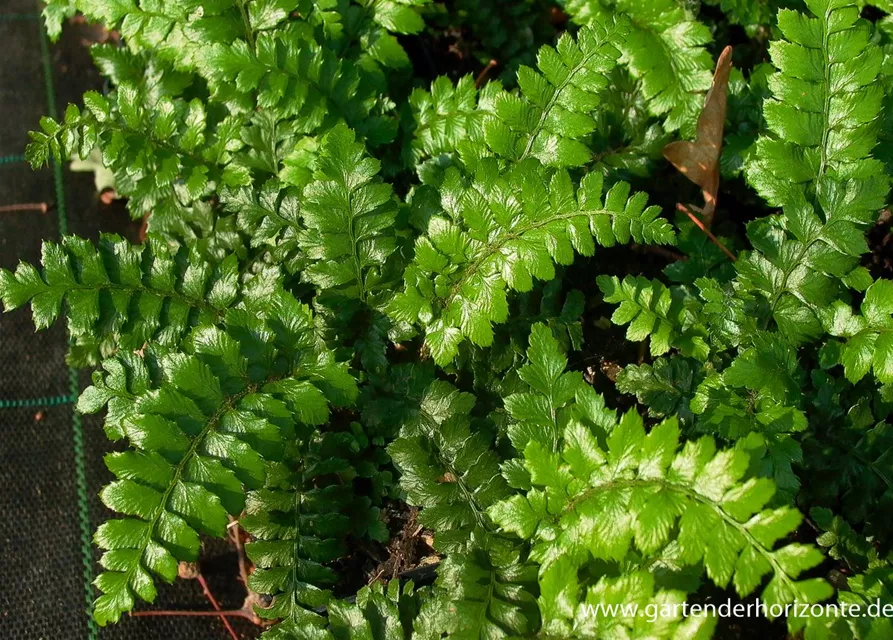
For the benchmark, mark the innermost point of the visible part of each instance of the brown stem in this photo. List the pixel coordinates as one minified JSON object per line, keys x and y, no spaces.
{"x":232,"y":613}
{"x":236,"y":535}
{"x":482,"y":76}
{"x":681,"y":207}
{"x":40,"y":207}
{"x":213,"y":601}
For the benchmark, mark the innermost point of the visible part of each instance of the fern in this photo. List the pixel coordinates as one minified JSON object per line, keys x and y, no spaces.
{"x":163,"y":154}
{"x":447,"y":469}
{"x":137,"y":294}
{"x":654,"y":311}
{"x":299,"y":522}
{"x":664,"y":51}
{"x":552,"y":113}
{"x":347,"y":218}
{"x":360,"y":295}
{"x":825,"y":103}
{"x":200,"y":429}
{"x":637,"y":491}
{"x":491,"y":240}
{"x":869,"y":341}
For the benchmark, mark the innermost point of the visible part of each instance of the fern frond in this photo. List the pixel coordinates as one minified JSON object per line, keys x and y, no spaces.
{"x":136,"y":294}
{"x":501,"y":231}
{"x":601,"y":489}
{"x":868,"y":344}
{"x":200,"y":426}
{"x":379,"y":613}
{"x":446,"y":116}
{"x":866,"y":592}
{"x":166,"y":152}
{"x":638,"y":490}
{"x":348,"y":216}
{"x":823,"y":120}
{"x":299,"y":522}
{"x":668,"y":316}
{"x":489,"y":592}
{"x":552,"y":112}
{"x":664,"y":50}
{"x":567,"y":607}
{"x":448,"y":469}
{"x":666,"y":387}
{"x":822,"y":115}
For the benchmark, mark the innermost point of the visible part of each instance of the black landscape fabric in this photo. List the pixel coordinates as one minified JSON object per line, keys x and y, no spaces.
{"x":51,"y":467}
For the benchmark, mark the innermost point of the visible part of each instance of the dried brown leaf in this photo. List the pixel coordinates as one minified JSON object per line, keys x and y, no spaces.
{"x":699,"y":160}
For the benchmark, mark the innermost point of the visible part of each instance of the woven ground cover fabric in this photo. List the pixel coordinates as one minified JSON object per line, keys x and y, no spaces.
{"x":51,"y":466}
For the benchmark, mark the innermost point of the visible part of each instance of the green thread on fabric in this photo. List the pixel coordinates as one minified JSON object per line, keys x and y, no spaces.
{"x":48,"y":401}
{"x":73,"y":387}
{"x":12,"y":159}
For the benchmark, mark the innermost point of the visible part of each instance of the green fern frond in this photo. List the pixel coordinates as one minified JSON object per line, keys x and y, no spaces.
{"x":551,"y":114}
{"x":570,"y":610}
{"x":867,"y":592}
{"x":666,"y":387}
{"x":868,"y":344}
{"x":349,"y":217}
{"x":448,"y":469}
{"x":668,"y":316}
{"x":664,"y":50}
{"x":446,"y":116}
{"x":201,"y":426}
{"x":501,"y":231}
{"x":379,"y":613}
{"x":641,"y":492}
{"x":825,"y":103}
{"x":823,"y":122}
{"x":489,"y":592}
{"x":270,"y":216}
{"x":167,"y":152}
{"x":299,"y":522}
{"x":135,"y":294}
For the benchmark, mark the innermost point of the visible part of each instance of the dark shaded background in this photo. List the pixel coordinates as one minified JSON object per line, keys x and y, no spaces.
{"x":51,"y":465}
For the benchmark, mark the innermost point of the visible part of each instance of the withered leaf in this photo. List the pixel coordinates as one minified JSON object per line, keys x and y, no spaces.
{"x":699,"y":160}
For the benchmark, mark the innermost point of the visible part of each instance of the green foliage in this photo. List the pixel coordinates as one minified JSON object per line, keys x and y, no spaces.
{"x":499,"y":231}
{"x":136,"y":293}
{"x":664,"y":52}
{"x":367,"y":291}
{"x":815,"y":164}
{"x":299,"y":522}
{"x":609,"y":490}
{"x":200,"y":425}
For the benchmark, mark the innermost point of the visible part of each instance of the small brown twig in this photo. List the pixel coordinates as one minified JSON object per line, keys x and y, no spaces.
{"x":40,"y":207}
{"x":482,"y":76}
{"x":214,"y":603}
{"x":231,"y":613}
{"x":681,"y":207}
{"x":236,"y":536}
